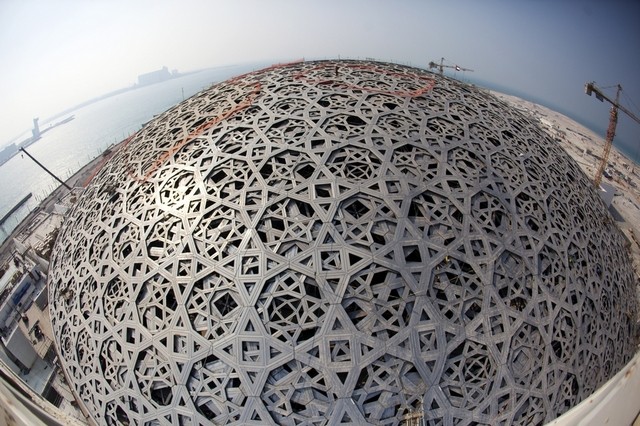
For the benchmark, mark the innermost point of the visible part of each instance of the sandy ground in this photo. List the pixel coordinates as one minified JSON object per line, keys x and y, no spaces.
{"x":586,"y":149}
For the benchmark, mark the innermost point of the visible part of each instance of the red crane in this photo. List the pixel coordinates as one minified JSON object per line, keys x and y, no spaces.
{"x":613,"y":121}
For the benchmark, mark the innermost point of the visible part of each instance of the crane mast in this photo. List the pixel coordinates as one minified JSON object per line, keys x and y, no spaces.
{"x":590,"y":88}
{"x":611,"y":132}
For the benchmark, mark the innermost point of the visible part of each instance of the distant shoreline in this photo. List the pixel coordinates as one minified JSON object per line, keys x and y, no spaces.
{"x":30,"y":141}
{"x":130,"y":88}
{"x":103,"y":97}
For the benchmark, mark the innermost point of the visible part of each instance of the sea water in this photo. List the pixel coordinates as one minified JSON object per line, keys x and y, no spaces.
{"x":65,"y":149}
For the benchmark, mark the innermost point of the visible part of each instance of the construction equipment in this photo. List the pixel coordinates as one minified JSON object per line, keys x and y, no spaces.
{"x":45,"y":169}
{"x":441,"y":67}
{"x":590,"y":88}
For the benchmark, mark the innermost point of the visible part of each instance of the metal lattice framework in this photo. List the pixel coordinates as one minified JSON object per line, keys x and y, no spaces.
{"x":340,"y":242}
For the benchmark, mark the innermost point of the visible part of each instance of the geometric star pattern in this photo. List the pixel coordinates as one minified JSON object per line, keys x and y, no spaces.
{"x":340,"y":242}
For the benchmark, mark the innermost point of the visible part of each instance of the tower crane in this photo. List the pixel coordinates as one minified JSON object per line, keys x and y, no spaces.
{"x":441,"y":67}
{"x":590,"y":88}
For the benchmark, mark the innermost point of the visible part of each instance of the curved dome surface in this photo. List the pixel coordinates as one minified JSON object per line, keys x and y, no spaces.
{"x":340,"y":241}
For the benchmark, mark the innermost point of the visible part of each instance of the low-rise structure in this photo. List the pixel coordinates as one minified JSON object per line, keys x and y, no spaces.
{"x":26,"y":336}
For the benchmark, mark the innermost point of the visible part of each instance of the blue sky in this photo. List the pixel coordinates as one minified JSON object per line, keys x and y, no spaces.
{"x":55,"y":53}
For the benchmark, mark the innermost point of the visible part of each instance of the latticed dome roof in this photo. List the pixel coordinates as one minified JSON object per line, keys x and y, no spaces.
{"x":334,"y":242}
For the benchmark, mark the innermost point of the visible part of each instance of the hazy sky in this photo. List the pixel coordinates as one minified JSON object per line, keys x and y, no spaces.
{"x":55,"y":54}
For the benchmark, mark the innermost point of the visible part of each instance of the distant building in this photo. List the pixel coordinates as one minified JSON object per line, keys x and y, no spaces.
{"x":154,"y":77}
{"x":26,"y":340}
{"x":27,"y":351}
{"x":8,"y":152}
{"x":36,"y":129}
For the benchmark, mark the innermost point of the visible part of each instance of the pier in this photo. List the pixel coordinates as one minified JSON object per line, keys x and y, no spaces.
{"x":16,"y":207}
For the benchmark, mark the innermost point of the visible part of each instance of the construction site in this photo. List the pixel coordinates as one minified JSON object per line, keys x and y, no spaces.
{"x":333,"y":242}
